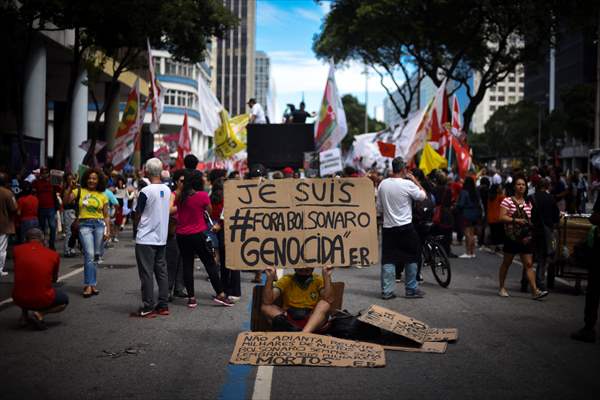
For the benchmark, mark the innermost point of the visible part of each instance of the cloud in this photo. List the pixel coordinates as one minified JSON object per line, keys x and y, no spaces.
{"x":307,"y":14}
{"x":268,"y":15}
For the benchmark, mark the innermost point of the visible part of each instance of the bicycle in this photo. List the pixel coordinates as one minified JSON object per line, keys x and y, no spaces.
{"x":434,"y":256}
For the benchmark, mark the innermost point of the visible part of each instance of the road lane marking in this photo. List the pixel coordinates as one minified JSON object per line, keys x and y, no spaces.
{"x":262,"y":383}
{"x":60,"y":279}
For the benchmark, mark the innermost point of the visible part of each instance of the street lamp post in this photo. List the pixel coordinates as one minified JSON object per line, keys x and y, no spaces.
{"x":539,"y":136}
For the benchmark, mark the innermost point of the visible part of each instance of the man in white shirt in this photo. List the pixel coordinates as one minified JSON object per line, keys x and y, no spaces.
{"x":151,"y":240}
{"x":400,"y":241}
{"x":257,"y":114}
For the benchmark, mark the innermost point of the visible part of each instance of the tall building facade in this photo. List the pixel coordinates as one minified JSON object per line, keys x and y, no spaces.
{"x":508,"y":91}
{"x":234,"y":59}
{"x":263,"y":73}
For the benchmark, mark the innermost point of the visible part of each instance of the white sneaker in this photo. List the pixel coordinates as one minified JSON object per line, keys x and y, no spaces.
{"x":3,"y":273}
{"x":503,"y":293}
{"x":473,"y":256}
{"x":234,"y":299}
{"x":464,"y":256}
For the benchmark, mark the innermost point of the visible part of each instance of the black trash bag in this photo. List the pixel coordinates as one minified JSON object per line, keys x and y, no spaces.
{"x":345,"y":325}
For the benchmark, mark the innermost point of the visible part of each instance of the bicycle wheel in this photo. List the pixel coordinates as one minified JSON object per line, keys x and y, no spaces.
{"x":440,"y":266}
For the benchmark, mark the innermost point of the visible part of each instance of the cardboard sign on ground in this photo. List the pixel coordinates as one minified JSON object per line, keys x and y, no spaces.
{"x":306,"y":349}
{"x":396,"y":323}
{"x":287,"y":223}
{"x":442,"y":335}
{"x":427,"y":347}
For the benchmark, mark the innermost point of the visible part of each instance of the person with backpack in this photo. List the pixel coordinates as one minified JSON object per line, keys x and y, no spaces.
{"x":422,"y":214}
{"x":469,"y":209}
{"x":515,"y":213}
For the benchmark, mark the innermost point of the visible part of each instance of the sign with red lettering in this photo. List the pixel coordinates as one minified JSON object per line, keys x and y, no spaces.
{"x":295,"y":223}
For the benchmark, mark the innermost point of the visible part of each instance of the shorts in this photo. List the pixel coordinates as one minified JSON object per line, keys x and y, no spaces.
{"x":512,"y":247}
{"x":60,"y":299}
{"x":467,"y":223}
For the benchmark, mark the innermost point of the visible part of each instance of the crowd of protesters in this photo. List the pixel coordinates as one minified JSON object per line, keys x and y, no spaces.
{"x":178,"y":216}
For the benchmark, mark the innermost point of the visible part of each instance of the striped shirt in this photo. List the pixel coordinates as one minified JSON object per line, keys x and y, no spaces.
{"x":509,"y":205}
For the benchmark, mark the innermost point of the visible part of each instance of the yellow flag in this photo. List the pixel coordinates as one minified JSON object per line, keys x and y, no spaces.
{"x":238,"y":124}
{"x":430,"y":160}
{"x":227,"y":142}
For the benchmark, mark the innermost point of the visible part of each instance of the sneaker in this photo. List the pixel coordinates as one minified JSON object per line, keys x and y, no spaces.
{"x":115,"y":240}
{"x":234,"y":299}
{"x":452,"y":255}
{"x":464,"y":256}
{"x":584,"y":335}
{"x":38,"y":322}
{"x":192,"y":302}
{"x":3,"y":273}
{"x":540,"y":294}
{"x":281,"y":324}
{"x":144,"y":313}
{"x":162,"y":310}
{"x":472,"y":255}
{"x":420,"y":278}
{"x":222,"y":300}
{"x":180,"y":293}
{"x":388,"y":296}
{"x":503,"y":293}
{"x":414,"y":294}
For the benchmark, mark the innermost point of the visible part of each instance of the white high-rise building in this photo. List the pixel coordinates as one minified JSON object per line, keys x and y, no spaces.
{"x":262,"y":68}
{"x":508,"y":91}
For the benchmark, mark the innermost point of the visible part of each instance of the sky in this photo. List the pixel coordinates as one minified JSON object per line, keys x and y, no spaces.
{"x":285,"y":31}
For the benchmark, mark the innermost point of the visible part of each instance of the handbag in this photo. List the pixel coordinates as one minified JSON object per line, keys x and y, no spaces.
{"x":516,"y":232}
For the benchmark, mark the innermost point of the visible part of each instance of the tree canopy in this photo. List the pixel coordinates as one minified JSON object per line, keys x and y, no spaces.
{"x":440,"y":38}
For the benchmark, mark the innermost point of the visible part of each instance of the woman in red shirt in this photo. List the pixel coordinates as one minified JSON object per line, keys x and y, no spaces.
{"x":192,"y":202}
{"x":28,"y":210}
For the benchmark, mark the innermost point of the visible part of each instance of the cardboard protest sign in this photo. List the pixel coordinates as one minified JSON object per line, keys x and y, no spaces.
{"x":306,"y":349}
{"x":396,"y":323}
{"x":442,"y":335}
{"x":293,"y":223}
{"x":330,"y":162}
{"x":427,"y":347}
{"x":56,"y":176}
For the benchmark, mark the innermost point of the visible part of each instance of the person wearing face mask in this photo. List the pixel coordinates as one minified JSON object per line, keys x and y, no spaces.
{"x":306,"y":296}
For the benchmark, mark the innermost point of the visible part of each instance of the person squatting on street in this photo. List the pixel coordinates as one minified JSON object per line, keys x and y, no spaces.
{"x":36,"y":269}
{"x":191,"y":203}
{"x":515,"y":213}
{"x":94,"y":223}
{"x":400,"y":241}
{"x":306,"y":299}
{"x":151,"y":240}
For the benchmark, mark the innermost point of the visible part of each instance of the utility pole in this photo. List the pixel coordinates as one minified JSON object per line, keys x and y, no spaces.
{"x":539,"y":136}
{"x":366,"y":72}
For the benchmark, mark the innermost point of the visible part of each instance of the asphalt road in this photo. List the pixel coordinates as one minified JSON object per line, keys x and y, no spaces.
{"x":513,"y":348}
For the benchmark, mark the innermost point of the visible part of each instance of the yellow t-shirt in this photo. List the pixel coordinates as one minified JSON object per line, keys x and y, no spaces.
{"x":297,"y":297}
{"x":91,"y":203}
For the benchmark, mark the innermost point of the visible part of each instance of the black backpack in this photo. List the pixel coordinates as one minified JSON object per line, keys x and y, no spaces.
{"x":422,"y":211}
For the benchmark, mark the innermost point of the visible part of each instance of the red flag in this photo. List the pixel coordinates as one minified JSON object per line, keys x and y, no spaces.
{"x":456,"y":126}
{"x":157,"y":93}
{"x":463,"y":157}
{"x":387,"y":149}
{"x":183,"y":146}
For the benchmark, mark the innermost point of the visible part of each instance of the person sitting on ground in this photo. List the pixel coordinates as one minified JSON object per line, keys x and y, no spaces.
{"x":307,"y":299}
{"x":36,"y":269}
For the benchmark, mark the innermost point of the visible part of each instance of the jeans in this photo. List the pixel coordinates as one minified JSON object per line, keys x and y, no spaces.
{"x":174,"y":265}
{"x":27,"y":225}
{"x":48,"y":216}
{"x":152,"y":264}
{"x":388,"y":278}
{"x":3,"y":248}
{"x":91,"y":232}
{"x":189,"y":246}
{"x":68,"y":217}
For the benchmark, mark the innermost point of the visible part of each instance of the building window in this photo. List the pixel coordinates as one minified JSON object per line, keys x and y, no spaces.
{"x":492,"y":108}
{"x":501,"y":98}
{"x":492,"y":98}
{"x":157,"y":65}
{"x":501,"y":88}
{"x":512,"y":89}
{"x":493,"y":89}
{"x":521,"y":89}
{"x":511,"y":99}
{"x":511,"y":78}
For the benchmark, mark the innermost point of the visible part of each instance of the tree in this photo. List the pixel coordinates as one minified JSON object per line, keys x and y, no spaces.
{"x":578,"y":108}
{"x":511,"y":132}
{"x":109,"y":29}
{"x":442,"y":38}
{"x":355,"y":117}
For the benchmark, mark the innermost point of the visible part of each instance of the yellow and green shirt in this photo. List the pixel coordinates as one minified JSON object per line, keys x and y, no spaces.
{"x":91,"y":203}
{"x":297,"y":297}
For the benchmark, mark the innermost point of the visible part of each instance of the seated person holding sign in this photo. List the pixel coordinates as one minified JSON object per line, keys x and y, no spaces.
{"x":307,"y":298}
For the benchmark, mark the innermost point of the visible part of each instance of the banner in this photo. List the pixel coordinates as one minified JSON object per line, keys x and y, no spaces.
{"x":209,"y":109}
{"x":331,"y":127}
{"x":226,"y":142}
{"x":291,"y":223}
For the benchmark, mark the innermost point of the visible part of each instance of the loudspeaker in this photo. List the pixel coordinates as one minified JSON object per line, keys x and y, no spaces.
{"x":277,"y":146}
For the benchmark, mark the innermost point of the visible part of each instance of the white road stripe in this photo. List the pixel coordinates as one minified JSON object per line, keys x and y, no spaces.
{"x":60,"y":278}
{"x":262,"y":383}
